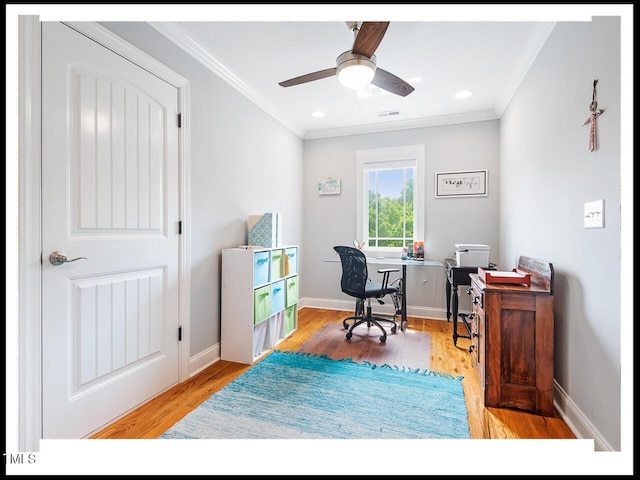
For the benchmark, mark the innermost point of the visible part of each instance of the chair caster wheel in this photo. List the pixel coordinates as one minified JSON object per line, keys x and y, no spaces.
{"x":383,"y":339}
{"x":393,"y":329}
{"x":349,"y":335}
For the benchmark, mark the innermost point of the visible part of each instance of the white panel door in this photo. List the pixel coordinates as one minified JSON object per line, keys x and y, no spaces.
{"x":110,"y":198}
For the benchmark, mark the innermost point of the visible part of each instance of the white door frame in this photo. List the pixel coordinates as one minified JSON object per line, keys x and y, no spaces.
{"x":30,"y":215}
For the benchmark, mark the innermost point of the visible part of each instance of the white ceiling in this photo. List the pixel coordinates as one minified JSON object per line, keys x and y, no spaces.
{"x":487,"y":58}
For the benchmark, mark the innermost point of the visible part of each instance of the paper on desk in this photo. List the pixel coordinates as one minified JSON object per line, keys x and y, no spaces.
{"x":494,"y":273}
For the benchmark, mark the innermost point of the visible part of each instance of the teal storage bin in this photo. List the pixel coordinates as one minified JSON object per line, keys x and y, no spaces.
{"x":292,"y":260}
{"x":260,"y":268}
{"x":277,"y":296}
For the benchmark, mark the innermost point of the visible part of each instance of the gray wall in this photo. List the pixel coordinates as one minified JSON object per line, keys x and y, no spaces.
{"x":243,"y":162}
{"x":547,"y":174}
{"x":331,"y":220}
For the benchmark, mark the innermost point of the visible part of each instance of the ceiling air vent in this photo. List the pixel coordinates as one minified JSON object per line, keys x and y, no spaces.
{"x":388,"y":113}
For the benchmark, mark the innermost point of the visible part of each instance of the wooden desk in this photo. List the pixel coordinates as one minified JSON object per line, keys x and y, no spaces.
{"x":513,"y":339}
{"x":457,"y":276}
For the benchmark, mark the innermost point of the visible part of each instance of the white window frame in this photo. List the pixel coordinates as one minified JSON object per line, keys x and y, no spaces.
{"x":395,"y":157}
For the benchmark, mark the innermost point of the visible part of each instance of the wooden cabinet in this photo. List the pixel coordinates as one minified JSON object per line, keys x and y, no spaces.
{"x":259,"y":301}
{"x":512,"y":339}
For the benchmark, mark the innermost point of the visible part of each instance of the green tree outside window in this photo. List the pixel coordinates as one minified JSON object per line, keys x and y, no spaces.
{"x":391,"y":207}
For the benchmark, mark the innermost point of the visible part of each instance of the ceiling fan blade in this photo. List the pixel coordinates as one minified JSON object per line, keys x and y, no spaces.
{"x":369,"y":37}
{"x":309,"y":77}
{"x":391,"y":83}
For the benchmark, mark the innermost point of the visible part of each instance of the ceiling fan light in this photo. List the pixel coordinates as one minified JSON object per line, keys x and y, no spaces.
{"x":356,"y":76}
{"x":355,"y":71}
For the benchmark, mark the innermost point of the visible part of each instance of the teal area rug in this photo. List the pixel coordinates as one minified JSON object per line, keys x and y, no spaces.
{"x":290,"y":396}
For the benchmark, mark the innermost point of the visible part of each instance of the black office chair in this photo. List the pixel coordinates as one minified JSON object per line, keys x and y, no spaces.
{"x":356,"y":283}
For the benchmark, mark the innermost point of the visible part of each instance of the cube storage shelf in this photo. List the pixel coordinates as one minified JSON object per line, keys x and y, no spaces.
{"x":259,"y":301}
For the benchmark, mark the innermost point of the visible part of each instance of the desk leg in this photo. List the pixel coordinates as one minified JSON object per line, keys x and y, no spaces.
{"x":403,"y":318}
{"x":447,"y":290}
{"x":454,"y":308}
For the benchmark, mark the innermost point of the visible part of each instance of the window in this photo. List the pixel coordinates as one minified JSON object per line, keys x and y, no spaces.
{"x":390,"y":197}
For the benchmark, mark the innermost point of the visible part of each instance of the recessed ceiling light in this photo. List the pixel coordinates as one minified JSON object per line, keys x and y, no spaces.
{"x":317,"y":114}
{"x":463,"y":94}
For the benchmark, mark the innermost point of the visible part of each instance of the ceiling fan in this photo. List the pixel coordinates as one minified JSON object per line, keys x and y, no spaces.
{"x":357,"y":67}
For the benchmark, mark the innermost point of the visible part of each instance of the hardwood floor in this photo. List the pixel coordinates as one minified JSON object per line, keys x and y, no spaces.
{"x":159,"y":414}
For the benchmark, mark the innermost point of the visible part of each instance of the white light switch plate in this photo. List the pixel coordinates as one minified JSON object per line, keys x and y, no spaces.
{"x":594,"y":214}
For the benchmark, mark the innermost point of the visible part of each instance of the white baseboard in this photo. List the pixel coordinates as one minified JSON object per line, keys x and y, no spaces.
{"x":577,"y":421}
{"x":204,"y":359}
{"x":386,"y":309}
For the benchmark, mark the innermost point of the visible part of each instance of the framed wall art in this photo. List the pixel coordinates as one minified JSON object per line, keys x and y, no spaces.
{"x":468,"y":183}
{"x":329,"y":186}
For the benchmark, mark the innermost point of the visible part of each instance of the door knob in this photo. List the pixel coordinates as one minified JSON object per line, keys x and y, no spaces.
{"x":58,"y":258}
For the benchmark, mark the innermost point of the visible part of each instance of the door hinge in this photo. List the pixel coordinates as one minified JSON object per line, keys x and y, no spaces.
{"x":180,"y":227}
{"x":180,"y":333}
{"x":179,"y":120}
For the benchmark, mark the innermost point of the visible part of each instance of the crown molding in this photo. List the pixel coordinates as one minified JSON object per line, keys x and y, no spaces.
{"x":177,"y":35}
{"x":529,"y":54}
{"x":404,"y":124}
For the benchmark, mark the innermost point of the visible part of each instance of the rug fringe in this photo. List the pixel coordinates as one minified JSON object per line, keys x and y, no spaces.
{"x":421,"y":371}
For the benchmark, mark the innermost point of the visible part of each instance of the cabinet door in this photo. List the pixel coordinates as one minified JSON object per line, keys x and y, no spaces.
{"x":519,"y":351}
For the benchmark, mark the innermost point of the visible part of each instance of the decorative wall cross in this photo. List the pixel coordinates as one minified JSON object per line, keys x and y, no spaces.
{"x":595,"y":113}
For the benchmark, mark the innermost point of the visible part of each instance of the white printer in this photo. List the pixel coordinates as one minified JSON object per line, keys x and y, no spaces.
{"x":472,"y":255}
